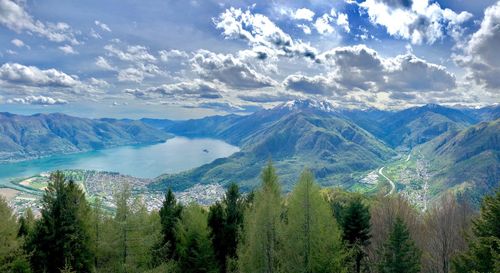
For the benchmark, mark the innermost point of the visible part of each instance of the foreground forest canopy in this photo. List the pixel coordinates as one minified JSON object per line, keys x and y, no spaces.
{"x":308,"y":230}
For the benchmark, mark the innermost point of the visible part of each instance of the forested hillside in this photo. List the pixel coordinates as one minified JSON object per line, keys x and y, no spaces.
{"x":308,"y":230}
{"x":295,"y":135}
{"x":341,"y":146}
{"x":467,"y":161}
{"x":27,"y":137}
{"x":407,"y":128}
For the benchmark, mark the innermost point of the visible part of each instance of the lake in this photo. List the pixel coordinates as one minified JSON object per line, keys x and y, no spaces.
{"x":145,"y":161}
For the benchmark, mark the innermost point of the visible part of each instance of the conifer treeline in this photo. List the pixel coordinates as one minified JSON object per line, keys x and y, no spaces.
{"x":308,"y":230}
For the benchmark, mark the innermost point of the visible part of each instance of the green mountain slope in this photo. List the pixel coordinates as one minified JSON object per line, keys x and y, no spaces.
{"x":420,"y":130}
{"x":413,"y":126}
{"x":335,"y":149}
{"x":399,"y":129}
{"x":211,"y":126}
{"x":467,"y":161}
{"x":25,"y":137}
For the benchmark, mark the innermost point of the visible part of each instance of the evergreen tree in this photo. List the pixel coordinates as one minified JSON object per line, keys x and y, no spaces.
{"x":170,"y":213}
{"x":97,"y":221}
{"x":109,"y":244}
{"x":124,"y":240}
{"x":399,"y":254}
{"x":313,"y":238}
{"x":143,"y":233}
{"x":484,"y":247}
{"x":12,"y":258}
{"x":356,"y":229}
{"x":193,"y":242}
{"x":225,"y":220}
{"x":122,"y":218}
{"x":259,"y":250}
{"x":26,"y":223}
{"x":216,"y":222}
{"x":61,"y":238}
{"x":234,"y":206}
{"x":339,"y":199}
{"x":248,"y":200}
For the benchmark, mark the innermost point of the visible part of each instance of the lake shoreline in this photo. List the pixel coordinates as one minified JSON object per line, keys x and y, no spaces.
{"x":146,"y":161}
{"x":36,"y":157}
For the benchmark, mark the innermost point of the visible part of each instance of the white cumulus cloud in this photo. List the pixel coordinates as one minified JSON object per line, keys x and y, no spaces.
{"x":14,"y":16}
{"x":316,"y":85}
{"x":343,"y":21}
{"x":189,"y":89}
{"x":134,"y":53}
{"x":482,"y":55}
{"x":37,"y":100}
{"x":322,"y":24}
{"x":416,"y":20}
{"x":260,"y":32}
{"x":33,"y":76}
{"x":174,"y":54}
{"x":303,"y":14}
{"x":229,"y":70}
{"x":362,"y":68}
{"x":138,"y":73}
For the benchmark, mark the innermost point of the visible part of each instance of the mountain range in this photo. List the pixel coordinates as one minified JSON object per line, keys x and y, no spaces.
{"x":410,"y":127}
{"x":339,"y":146}
{"x":297,"y":135}
{"x":40,"y":135}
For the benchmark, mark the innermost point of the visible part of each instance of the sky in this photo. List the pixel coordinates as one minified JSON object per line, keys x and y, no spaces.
{"x":188,"y":59}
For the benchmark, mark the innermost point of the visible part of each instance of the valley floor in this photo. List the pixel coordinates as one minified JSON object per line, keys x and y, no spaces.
{"x":409,"y":175}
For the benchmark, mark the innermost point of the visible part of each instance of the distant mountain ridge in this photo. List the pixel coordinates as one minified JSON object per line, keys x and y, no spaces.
{"x":408,"y":128}
{"x":487,"y":113}
{"x":337,"y":143}
{"x":39,"y":135}
{"x":295,"y":136}
{"x":339,"y":146}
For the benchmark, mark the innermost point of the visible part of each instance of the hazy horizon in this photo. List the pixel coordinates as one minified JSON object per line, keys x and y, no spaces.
{"x":183,"y":114}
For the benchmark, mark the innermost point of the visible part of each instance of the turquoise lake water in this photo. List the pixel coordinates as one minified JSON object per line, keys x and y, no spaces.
{"x":146,"y":161}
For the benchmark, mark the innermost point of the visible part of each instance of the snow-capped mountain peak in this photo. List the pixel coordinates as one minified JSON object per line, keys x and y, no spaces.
{"x":305,"y":104}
